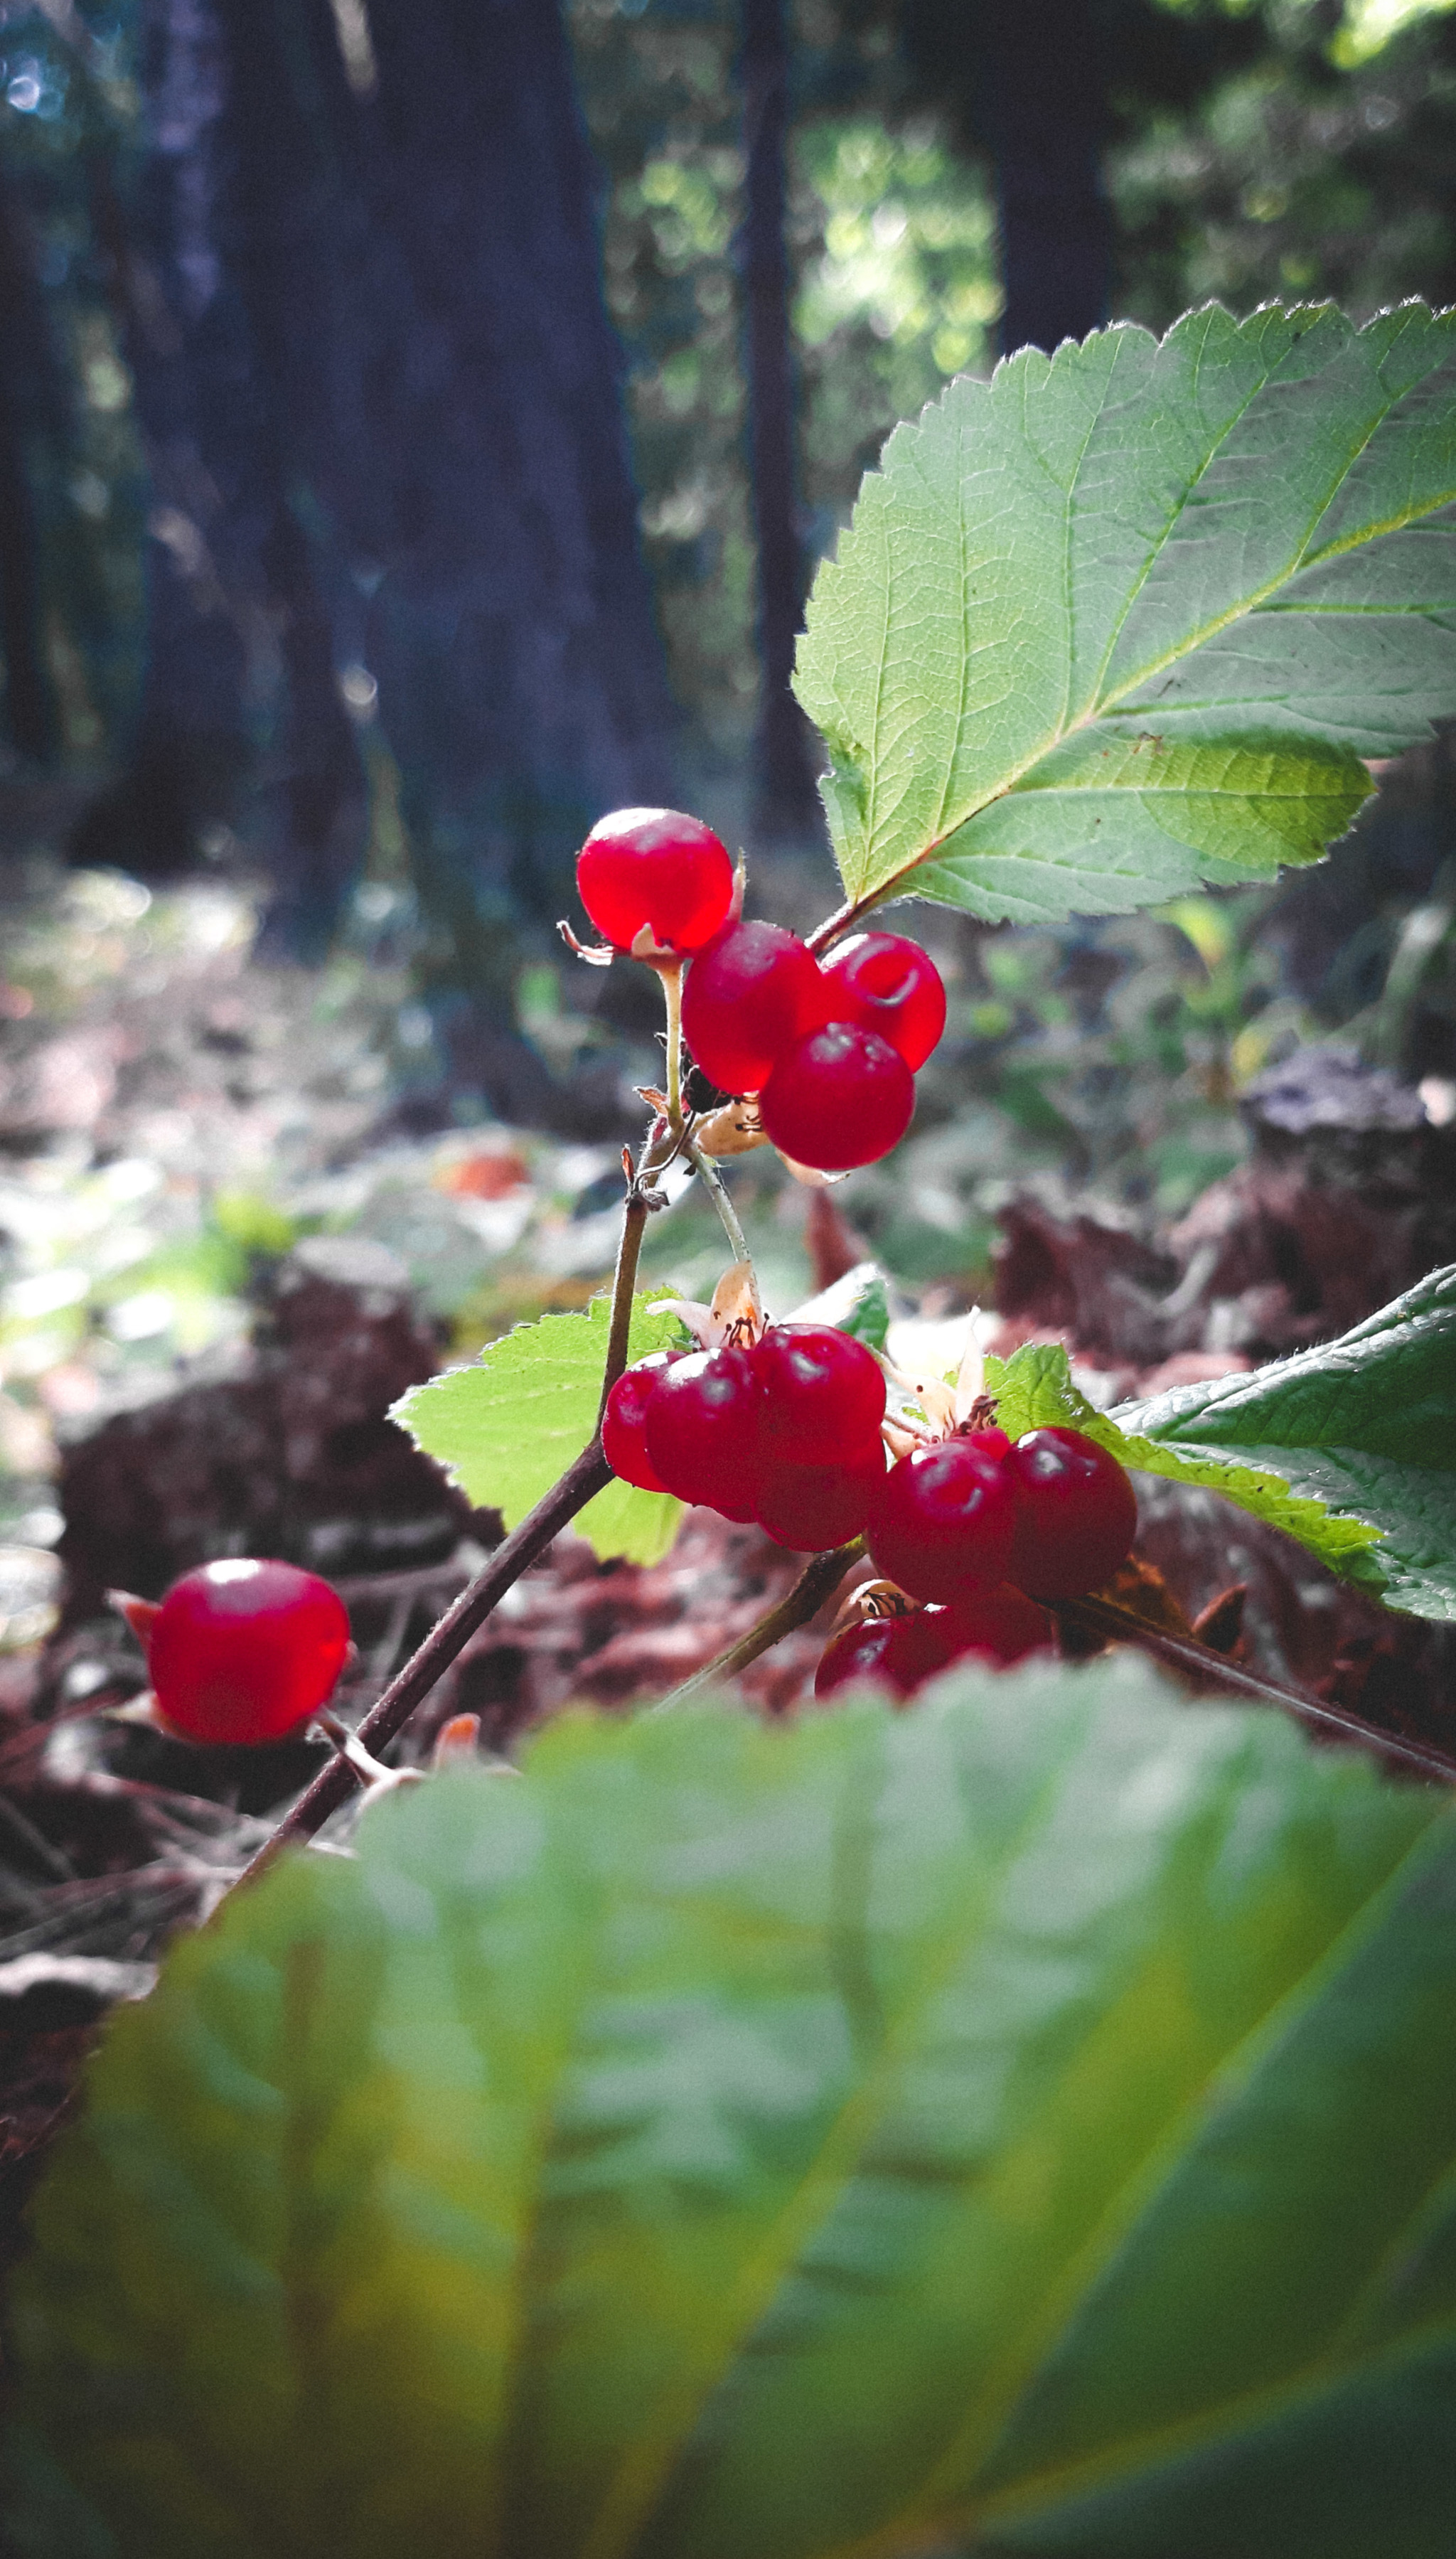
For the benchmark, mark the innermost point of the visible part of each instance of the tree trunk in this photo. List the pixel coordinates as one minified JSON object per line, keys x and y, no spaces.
{"x":420,"y":244}
{"x":787,"y":800}
{"x":1044,"y":114}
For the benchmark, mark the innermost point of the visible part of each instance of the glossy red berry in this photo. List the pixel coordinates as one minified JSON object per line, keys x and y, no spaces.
{"x":243,"y":1650}
{"x":704,"y":1431}
{"x":826,"y":1393}
{"x":1075,"y":1512}
{"x":656,"y":868}
{"x":1000,"y":1625}
{"x":749,"y":996}
{"x":944,"y":1521}
{"x":866,"y":1653}
{"x":889,"y":984}
{"x":840,"y":1098}
{"x":812,"y":1508}
{"x":623,"y":1424}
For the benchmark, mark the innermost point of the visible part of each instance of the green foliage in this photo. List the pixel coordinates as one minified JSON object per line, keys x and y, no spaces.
{"x":1026,"y":2117}
{"x":1127,"y":620}
{"x":505,"y":1428}
{"x":1351,"y":1447}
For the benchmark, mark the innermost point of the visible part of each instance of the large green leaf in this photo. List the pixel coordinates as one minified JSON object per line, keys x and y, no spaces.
{"x":1351,"y":1448}
{"x":510,"y":1423}
{"x":1128,"y":619}
{"x":1027,"y":2121}
{"x":1364,"y":1425}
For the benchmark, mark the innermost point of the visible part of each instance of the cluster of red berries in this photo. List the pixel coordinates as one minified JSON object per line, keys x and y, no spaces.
{"x":784,"y":1432}
{"x":243,"y":1650}
{"x":830,"y":1051}
{"x":788,"y":1433}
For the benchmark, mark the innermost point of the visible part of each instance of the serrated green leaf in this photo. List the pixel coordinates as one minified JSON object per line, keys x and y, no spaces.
{"x":1366,"y":1426}
{"x":1351,"y":1448}
{"x":510,"y":1423}
{"x":1125,"y":620}
{"x":1023,"y":2122}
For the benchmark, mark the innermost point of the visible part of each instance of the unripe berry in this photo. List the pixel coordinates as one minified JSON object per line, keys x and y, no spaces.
{"x":944,"y":1521}
{"x":243,"y":1650}
{"x":658,"y":868}
{"x":704,"y":1431}
{"x":1075,"y":1512}
{"x":888,"y":984}
{"x":623,"y":1422}
{"x":749,"y":996}
{"x":840,"y":1098}
{"x":826,"y":1393}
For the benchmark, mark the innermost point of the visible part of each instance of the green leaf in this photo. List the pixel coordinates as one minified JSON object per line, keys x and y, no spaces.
{"x":508,"y":1425}
{"x":1366,"y":1426}
{"x":1126,"y":619}
{"x":1027,"y":2121}
{"x":1351,"y":1448}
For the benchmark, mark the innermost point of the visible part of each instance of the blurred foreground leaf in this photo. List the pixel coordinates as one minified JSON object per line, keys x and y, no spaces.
{"x":1024,"y":2122}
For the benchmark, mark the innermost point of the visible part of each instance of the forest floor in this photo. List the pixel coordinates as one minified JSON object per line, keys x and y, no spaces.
{"x":237,"y":1219}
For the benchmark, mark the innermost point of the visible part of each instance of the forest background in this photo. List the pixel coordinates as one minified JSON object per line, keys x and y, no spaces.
{"x":418,"y":427}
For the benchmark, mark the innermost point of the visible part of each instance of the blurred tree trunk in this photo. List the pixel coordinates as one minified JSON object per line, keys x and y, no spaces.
{"x":382,"y":400}
{"x":417,"y":225}
{"x":26,"y":376}
{"x":1045,"y":113}
{"x":787,"y":800}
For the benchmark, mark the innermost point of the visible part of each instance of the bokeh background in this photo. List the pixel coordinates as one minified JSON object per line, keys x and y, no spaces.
{"x":419,"y":422}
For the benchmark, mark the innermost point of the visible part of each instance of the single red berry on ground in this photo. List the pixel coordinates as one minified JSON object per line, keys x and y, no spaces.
{"x":749,"y":996}
{"x":888,"y":984}
{"x":944,"y":1521}
{"x":245,"y":1649}
{"x":1075,"y":1512}
{"x":840,"y":1098}
{"x":658,"y":868}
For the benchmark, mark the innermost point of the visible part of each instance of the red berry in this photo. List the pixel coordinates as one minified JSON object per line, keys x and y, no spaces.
{"x":658,"y":868}
{"x":1003,"y":1624}
{"x":862,"y":1652}
{"x":623,"y":1424}
{"x":826,"y":1393}
{"x":812,"y":1508}
{"x":890,"y":986}
{"x":995,"y":1441}
{"x":243,"y":1651}
{"x":704,"y":1424}
{"x":944,"y":1521}
{"x":749,"y":996}
{"x":1075,"y":1512}
{"x":840,"y":1098}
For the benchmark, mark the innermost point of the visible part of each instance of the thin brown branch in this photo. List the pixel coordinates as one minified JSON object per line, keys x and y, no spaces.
{"x":335,"y":1784}
{"x":624,"y":1281}
{"x":1199,"y":1661}
{"x":818,"y":1579}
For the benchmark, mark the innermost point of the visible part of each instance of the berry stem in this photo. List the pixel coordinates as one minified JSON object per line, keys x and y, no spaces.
{"x":624,"y":1281}
{"x":718,"y":1193}
{"x":670,"y":973}
{"x":820,"y":1577}
{"x":1181,"y":1653}
{"x":333,"y":1786}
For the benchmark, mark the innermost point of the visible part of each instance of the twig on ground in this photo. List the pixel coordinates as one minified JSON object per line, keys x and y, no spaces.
{"x":1183,"y":1654}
